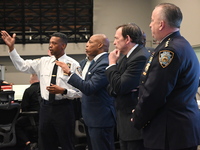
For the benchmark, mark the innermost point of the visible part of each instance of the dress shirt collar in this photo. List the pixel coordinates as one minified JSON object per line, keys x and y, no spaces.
{"x":132,"y":49}
{"x":98,"y":56}
{"x":59,"y":59}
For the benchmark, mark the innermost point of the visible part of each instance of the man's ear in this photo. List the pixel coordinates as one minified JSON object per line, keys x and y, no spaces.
{"x":162,"y":25}
{"x":100,"y":45}
{"x":64,"y":46}
{"x":128,"y":39}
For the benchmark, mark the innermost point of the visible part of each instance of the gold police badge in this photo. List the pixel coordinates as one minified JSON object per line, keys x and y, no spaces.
{"x":165,"y":57}
{"x":69,"y":65}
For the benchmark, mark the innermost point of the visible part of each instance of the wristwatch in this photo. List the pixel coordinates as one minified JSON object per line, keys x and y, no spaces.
{"x":65,"y":92}
{"x":70,"y":72}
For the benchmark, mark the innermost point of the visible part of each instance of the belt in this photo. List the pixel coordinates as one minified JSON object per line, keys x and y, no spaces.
{"x":56,"y":102}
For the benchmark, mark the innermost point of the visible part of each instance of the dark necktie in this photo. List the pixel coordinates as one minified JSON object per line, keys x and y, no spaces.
{"x":53,"y":81}
{"x":91,"y":64}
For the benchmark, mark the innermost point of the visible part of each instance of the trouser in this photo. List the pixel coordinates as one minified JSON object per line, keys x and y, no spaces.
{"x":132,"y":145}
{"x":25,"y":131}
{"x":102,"y":138}
{"x":56,"y":125}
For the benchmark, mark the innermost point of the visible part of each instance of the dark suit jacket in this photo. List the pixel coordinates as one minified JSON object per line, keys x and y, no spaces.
{"x":167,"y":109}
{"x":124,"y":81}
{"x":97,"y":105}
{"x":31,"y":97}
{"x":82,"y":63}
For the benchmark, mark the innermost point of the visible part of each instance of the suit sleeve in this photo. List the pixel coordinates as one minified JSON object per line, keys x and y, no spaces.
{"x":73,"y":92}
{"x":123,"y":83}
{"x":96,"y":81}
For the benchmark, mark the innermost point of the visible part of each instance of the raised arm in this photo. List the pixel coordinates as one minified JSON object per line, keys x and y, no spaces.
{"x":10,"y":41}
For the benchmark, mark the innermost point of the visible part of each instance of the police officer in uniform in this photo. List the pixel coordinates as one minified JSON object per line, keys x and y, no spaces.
{"x":56,"y":120}
{"x":167,"y":110}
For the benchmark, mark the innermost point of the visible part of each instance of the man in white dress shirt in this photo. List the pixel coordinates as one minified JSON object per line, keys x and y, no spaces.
{"x":56,"y":124}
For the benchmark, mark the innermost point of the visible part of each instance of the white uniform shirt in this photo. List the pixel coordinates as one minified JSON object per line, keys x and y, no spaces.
{"x":43,"y":67}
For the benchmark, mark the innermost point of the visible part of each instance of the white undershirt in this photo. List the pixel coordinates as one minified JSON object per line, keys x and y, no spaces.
{"x":85,"y":69}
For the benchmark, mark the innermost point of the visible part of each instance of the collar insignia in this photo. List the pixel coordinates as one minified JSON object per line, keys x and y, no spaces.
{"x":69,"y":65}
{"x":167,"y":43}
{"x":165,"y":57}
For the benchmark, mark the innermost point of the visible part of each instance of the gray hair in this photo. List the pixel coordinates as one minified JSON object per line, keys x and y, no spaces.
{"x":171,"y":14}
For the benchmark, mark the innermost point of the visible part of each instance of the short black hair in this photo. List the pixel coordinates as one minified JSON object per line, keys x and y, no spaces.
{"x":62,"y":36}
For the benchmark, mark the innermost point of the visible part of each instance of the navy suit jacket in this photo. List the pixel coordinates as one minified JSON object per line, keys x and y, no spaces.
{"x":97,"y":105}
{"x":167,"y":109}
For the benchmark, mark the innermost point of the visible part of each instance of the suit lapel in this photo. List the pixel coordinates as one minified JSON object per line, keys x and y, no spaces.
{"x":82,"y":63}
{"x":91,"y":64}
{"x":122,"y":64}
{"x":124,"y":60}
{"x":135,"y":51}
{"x":96,"y":62}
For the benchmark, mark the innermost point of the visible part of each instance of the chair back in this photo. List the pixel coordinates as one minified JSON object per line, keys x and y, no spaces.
{"x":8,"y":116}
{"x":6,"y":97}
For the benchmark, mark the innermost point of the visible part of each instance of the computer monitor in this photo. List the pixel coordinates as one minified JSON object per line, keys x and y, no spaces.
{"x":19,"y":91}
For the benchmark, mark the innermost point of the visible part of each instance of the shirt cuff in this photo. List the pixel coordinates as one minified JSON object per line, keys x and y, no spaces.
{"x":110,"y":66}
